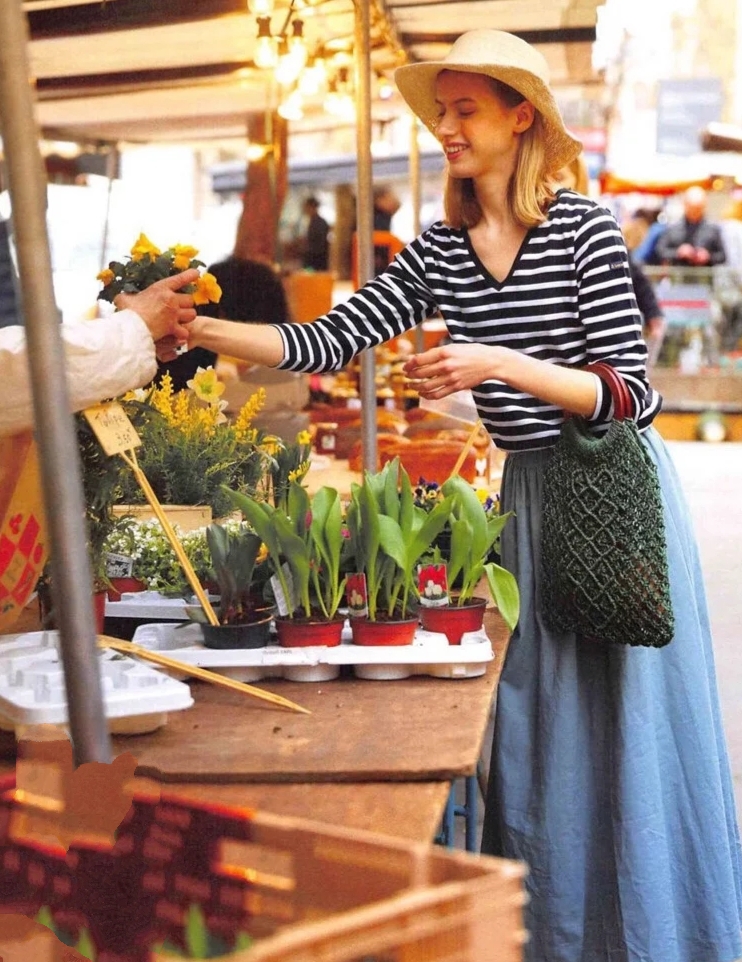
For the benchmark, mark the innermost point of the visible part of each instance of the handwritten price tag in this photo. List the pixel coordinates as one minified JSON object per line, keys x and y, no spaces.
{"x":112,"y":427}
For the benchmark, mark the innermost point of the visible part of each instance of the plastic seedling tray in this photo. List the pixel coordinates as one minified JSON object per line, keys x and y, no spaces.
{"x":136,"y":697}
{"x":151,"y":605}
{"x":430,"y":654}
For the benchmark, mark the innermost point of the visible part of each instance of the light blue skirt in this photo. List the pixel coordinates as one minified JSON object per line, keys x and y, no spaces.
{"x":609,"y":772}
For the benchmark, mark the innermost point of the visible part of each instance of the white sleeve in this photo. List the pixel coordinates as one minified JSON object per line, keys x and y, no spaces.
{"x":105,"y":357}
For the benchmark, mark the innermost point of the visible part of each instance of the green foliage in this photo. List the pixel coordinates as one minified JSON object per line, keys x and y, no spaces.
{"x":234,"y":556}
{"x":389,"y":534}
{"x":307,"y":536}
{"x":473,"y":535}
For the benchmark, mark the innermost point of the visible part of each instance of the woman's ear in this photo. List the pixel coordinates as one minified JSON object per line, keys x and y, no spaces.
{"x":524,"y":114}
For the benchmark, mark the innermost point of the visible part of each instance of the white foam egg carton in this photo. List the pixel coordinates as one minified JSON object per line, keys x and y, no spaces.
{"x":32,"y":689}
{"x":429,"y":654}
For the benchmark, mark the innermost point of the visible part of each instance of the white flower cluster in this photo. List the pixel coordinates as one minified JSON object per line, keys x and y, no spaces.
{"x":155,"y":562}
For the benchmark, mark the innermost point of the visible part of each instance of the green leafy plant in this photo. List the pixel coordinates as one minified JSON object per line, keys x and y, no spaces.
{"x":189,"y":447}
{"x":473,"y":535}
{"x":306,"y":534}
{"x":389,"y":534}
{"x":235,"y":556}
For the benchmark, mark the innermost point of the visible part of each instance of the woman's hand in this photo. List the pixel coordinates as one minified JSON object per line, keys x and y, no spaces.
{"x":454,"y":367}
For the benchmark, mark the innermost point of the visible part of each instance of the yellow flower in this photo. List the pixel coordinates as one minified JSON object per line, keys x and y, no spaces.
{"x":271,"y":445}
{"x":482,"y":494}
{"x":183,"y":254}
{"x":251,"y":407}
{"x":105,"y":276}
{"x":206,"y":385}
{"x":298,"y":473}
{"x":303,"y":437}
{"x":144,"y":247}
{"x":207,"y":290}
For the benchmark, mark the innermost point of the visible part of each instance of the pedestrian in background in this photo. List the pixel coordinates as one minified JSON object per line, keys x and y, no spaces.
{"x":316,"y":245}
{"x":693,"y":241}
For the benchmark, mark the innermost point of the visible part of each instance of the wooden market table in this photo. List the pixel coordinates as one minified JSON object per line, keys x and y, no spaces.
{"x":376,"y":755}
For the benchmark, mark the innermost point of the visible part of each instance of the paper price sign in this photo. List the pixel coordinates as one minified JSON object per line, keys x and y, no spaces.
{"x":112,"y":427}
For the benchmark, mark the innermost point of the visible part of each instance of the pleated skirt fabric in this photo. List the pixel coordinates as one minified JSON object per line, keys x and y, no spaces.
{"x":609,"y":773}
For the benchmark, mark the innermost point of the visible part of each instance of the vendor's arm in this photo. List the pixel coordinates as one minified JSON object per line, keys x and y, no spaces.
{"x":104,"y":357}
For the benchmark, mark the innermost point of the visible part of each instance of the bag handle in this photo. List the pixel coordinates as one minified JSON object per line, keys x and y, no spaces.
{"x":623,"y":407}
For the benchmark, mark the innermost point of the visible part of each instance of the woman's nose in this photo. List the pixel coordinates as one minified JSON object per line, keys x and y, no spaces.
{"x":444,"y":126}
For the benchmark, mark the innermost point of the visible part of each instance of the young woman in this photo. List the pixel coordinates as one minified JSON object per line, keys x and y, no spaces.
{"x":609,"y":772}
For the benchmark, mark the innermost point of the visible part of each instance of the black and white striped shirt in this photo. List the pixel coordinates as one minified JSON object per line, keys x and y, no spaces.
{"x":567,"y":300}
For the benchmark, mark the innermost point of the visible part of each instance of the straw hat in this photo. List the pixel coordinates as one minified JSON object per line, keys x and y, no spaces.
{"x":506,"y":58}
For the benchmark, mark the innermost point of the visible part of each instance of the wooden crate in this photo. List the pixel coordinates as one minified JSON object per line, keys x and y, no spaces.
{"x":304,"y":891}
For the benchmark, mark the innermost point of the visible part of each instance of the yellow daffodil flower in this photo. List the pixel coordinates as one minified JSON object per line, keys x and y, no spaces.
{"x":207,"y":290}
{"x":106,"y":276}
{"x":144,"y":248}
{"x":183,"y":254}
{"x":206,"y":385}
{"x":303,"y":437}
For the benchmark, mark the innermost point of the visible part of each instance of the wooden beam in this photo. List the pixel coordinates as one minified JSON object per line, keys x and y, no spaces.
{"x":89,"y":18}
{"x":86,"y":84}
{"x":536,"y":37}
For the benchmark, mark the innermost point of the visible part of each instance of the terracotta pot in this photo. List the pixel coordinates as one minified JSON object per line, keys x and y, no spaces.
{"x":302,"y":632}
{"x":454,"y":620}
{"x":383,"y":631}
{"x":252,"y":634}
{"x":119,"y":585}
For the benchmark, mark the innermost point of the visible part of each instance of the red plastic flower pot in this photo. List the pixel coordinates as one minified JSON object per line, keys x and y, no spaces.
{"x":383,"y":631}
{"x":454,"y":620}
{"x":303,"y":632}
{"x":119,"y":585}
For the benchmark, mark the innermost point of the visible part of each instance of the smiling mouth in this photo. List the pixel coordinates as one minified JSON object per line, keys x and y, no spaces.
{"x":453,"y":152}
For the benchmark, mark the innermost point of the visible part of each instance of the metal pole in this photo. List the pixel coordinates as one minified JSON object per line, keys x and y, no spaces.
{"x":416,"y":191}
{"x":364,"y":221}
{"x":60,"y":465}
{"x":112,"y":162}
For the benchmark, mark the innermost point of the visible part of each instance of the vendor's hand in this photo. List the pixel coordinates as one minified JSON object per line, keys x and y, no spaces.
{"x":454,"y":367}
{"x":702,"y":256}
{"x":167,"y":348}
{"x":686,"y":252}
{"x":161,"y":307}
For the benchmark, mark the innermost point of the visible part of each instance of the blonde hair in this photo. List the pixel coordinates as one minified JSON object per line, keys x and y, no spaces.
{"x":529,"y":191}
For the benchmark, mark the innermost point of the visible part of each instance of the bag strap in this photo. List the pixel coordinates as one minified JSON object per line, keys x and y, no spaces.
{"x":623,"y":407}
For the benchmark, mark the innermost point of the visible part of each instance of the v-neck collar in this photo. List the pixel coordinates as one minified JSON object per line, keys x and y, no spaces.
{"x":485,"y":270}
{"x":529,"y":233}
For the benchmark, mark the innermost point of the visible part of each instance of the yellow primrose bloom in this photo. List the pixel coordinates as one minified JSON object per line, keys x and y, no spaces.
{"x":144,"y":247}
{"x":207,"y":290}
{"x":183,"y":254}
{"x":271,"y":445}
{"x":206,"y":385}
{"x":105,"y":276}
{"x":482,"y":494}
{"x":303,"y":437}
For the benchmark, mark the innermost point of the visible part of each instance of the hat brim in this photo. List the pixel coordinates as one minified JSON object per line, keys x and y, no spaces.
{"x":416,"y":83}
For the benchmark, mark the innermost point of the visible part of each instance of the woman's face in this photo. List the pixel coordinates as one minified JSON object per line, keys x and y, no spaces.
{"x":478,"y":131}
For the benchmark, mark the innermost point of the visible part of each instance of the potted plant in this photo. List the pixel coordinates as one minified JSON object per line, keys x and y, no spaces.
{"x":305,"y":536}
{"x":142,"y":548}
{"x":244,"y":619}
{"x":474,"y":533}
{"x":388,"y":535}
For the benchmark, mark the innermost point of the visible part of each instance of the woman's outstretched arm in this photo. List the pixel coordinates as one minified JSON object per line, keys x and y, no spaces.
{"x":256,"y":343}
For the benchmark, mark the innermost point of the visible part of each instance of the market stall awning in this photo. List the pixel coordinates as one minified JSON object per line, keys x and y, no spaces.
{"x":130,"y":70}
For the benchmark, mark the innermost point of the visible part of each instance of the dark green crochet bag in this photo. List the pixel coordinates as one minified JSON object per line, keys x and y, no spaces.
{"x":604,"y":568}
